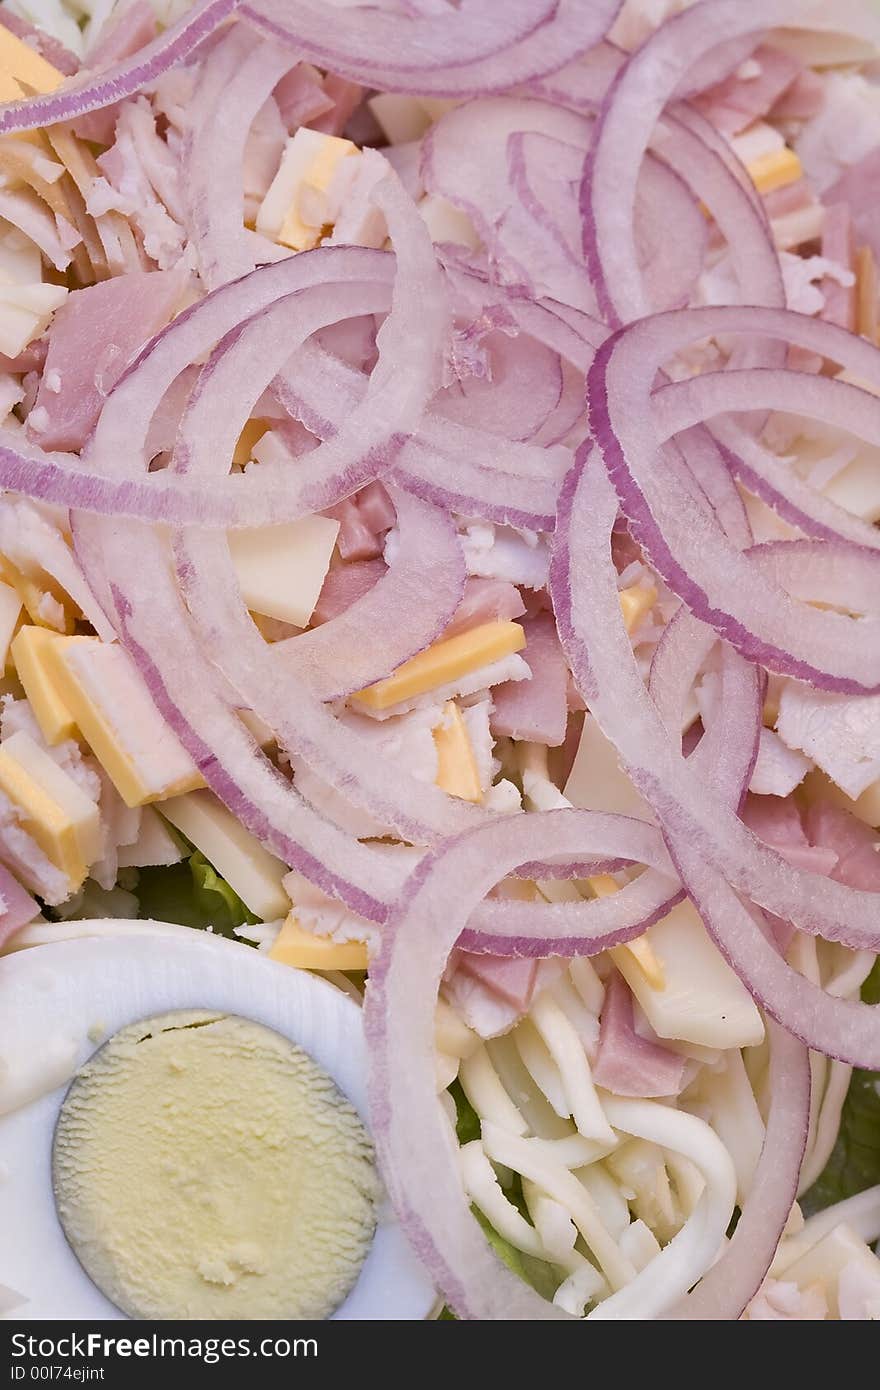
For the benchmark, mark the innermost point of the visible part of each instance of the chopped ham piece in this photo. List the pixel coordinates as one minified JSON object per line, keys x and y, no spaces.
{"x":301,"y":97}
{"x":345,"y":96}
{"x":859,"y":188}
{"x":363,"y":520}
{"x":855,"y":844}
{"x":96,"y":333}
{"x":486,"y":601}
{"x":17,"y":907}
{"x":626,"y":1063}
{"x":537,"y":709}
{"x":777,"y":821}
{"x":750,"y":92}
{"x":512,"y":978}
{"x":344,"y":585}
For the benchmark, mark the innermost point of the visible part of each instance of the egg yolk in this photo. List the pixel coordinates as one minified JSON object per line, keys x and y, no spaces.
{"x":205,"y":1167}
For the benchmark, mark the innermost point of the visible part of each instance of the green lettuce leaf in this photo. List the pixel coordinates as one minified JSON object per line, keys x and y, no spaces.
{"x":193,"y":894}
{"x":855,"y":1160}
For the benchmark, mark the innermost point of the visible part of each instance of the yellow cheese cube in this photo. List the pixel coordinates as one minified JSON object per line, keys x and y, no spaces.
{"x":308,"y":165}
{"x":457,"y":771}
{"x":55,"y":811}
{"x":119,"y":721}
{"x":254,"y":873}
{"x":636,"y":603}
{"x":298,"y":947}
{"x":19,"y":62}
{"x":445,"y":661}
{"x":10,"y":612}
{"x":640,"y":950}
{"x":34,"y":595}
{"x":281,"y":569}
{"x":775,"y":170}
{"x":30,"y":651}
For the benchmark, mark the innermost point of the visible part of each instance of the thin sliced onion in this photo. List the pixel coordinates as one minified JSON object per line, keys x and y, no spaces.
{"x":535,"y":38}
{"x":684,"y":541}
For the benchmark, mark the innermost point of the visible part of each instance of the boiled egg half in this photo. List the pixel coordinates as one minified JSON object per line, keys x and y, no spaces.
{"x":184,"y":1135}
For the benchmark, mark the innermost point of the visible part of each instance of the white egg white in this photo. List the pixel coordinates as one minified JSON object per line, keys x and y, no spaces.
{"x":61,"y":1001}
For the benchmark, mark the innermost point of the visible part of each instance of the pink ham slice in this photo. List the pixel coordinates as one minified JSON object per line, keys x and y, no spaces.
{"x":855,"y":844}
{"x":344,"y":586}
{"x":486,"y":601}
{"x":536,"y":710}
{"x":363,"y":521}
{"x":777,"y":821}
{"x":345,"y":96}
{"x":737,"y":101}
{"x":626,"y":1063}
{"x":95,"y":334}
{"x":17,"y":907}
{"x":301,"y":97}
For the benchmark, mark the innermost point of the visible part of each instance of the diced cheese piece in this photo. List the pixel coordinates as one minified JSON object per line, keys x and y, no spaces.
{"x":257,"y":726}
{"x":55,"y":811}
{"x":866,"y":299}
{"x":636,"y":603}
{"x":10,"y":612}
{"x":402,"y":118}
{"x":254,"y":873}
{"x":457,"y":771}
{"x":30,"y":655}
{"x":308,"y":164}
{"x":640,"y":951}
{"x":250,"y":436}
{"x":775,"y":170}
{"x":841,"y":733}
{"x":446,"y":222}
{"x":155,"y":844}
{"x":757,"y":141}
{"x":24,"y":64}
{"x":298,"y":947}
{"x":444,"y":662}
{"x":25,"y":311}
{"x":281,"y":569}
{"x":20,"y":260}
{"x":701,"y":1001}
{"x":47,"y":604}
{"x":856,"y":488}
{"x":597,"y":782}
{"x":118,"y":720}
{"x":825,"y":1261}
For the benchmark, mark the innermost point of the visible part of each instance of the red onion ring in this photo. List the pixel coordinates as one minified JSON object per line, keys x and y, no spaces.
{"x":690,"y":550}
{"x":536,"y":38}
